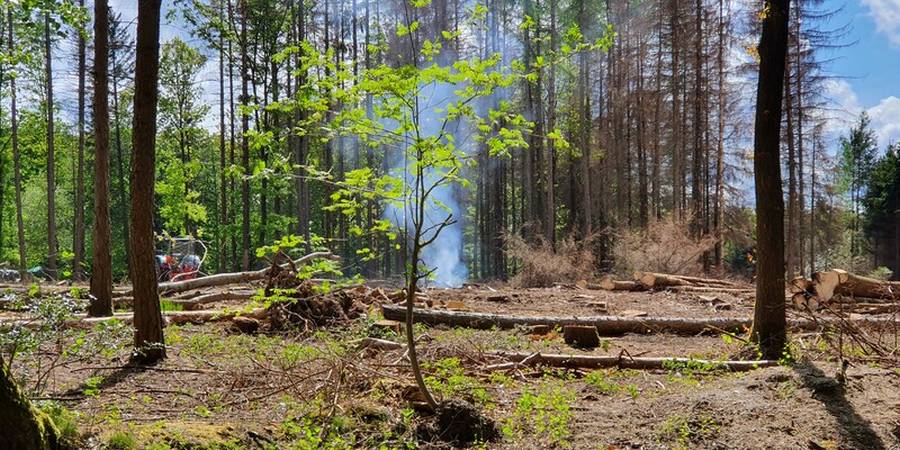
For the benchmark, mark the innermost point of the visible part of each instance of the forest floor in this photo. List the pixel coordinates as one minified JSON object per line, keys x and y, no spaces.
{"x":221,"y":388}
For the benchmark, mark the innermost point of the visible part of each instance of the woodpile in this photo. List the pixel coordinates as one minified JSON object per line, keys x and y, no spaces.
{"x":856,"y":293}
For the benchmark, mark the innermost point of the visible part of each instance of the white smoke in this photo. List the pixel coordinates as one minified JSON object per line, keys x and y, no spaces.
{"x":445,"y":255}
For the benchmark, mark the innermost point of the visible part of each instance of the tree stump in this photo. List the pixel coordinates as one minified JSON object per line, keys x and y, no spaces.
{"x":581,"y":336}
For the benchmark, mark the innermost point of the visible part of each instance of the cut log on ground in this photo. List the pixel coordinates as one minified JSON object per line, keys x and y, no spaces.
{"x":625,"y":362}
{"x":837,"y":281}
{"x":658,"y":280}
{"x":172,"y":317}
{"x":606,"y":325}
{"x":213,"y":297}
{"x":713,"y":289}
{"x":221,"y":279}
{"x":652,"y":280}
{"x":610,"y":284}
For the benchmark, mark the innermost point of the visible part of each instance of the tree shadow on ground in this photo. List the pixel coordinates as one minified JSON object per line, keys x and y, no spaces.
{"x":108,"y":380}
{"x":854,"y":430}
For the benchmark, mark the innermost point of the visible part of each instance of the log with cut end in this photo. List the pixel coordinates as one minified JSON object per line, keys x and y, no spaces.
{"x":606,"y":325}
{"x":625,"y":362}
{"x":652,"y":280}
{"x":721,"y":290}
{"x":221,"y":279}
{"x":836,"y":281}
{"x":610,"y":284}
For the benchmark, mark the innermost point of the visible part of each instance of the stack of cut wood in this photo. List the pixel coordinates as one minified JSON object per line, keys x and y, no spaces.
{"x":859,"y":293}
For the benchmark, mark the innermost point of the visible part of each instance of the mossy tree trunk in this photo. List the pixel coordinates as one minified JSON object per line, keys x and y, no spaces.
{"x":24,"y":427}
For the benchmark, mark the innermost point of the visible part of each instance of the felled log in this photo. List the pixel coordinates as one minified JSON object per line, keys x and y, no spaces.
{"x":609,"y":284}
{"x":625,"y":362}
{"x":722,"y":290}
{"x":380,"y":344}
{"x":221,"y":279}
{"x":606,"y":325}
{"x":653,"y":280}
{"x":212,"y":297}
{"x":837,"y":281}
{"x":171,"y":317}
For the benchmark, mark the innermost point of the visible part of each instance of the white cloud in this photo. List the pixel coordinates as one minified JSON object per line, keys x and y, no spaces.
{"x":886,"y":14}
{"x":886,"y":120}
{"x":885,"y":116}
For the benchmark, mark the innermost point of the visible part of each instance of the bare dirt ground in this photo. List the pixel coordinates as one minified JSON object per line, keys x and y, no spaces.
{"x":221,"y":388}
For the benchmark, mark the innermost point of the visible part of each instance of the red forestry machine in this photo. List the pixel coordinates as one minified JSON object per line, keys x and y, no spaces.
{"x":180,"y":259}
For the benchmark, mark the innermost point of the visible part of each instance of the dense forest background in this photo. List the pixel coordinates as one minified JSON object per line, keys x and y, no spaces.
{"x":635,"y":143}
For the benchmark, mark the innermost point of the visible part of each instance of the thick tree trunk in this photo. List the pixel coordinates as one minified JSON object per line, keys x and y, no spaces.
{"x":148,"y":337}
{"x":24,"y":427}
{"x":769,"y":329}
{"x":101,"y":268}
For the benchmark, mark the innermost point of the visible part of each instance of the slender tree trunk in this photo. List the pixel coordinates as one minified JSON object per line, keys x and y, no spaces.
{"x":245,"y":143}
{"x":719,"y":207}
{"x":657,"y":126}
{"x":790,"y":235}
{"x":676,"y":121}
{"x":223,"y":164}
{"x":801,"y":178}
{"x":549,"y":219}
{"x":78,"y":236}
{"x":121,"y":186}
{"x":101,"y":268}
{"x":697,"y":158}
{"x":52,"y":238}
{"x":148,"y":338}
{"x":17,"y":163}
{"x":769,"y":328}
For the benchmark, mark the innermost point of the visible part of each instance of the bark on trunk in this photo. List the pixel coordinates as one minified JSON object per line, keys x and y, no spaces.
{"x":769,"y":314}
{"x":101,"y":267}
{"x":17,"y":163}
{"x":24,"y":427}
{"x":52,"y":240}
{"x":148,"y":337}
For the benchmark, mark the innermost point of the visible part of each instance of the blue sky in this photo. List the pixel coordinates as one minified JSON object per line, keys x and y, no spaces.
{"x":868,"y":71}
